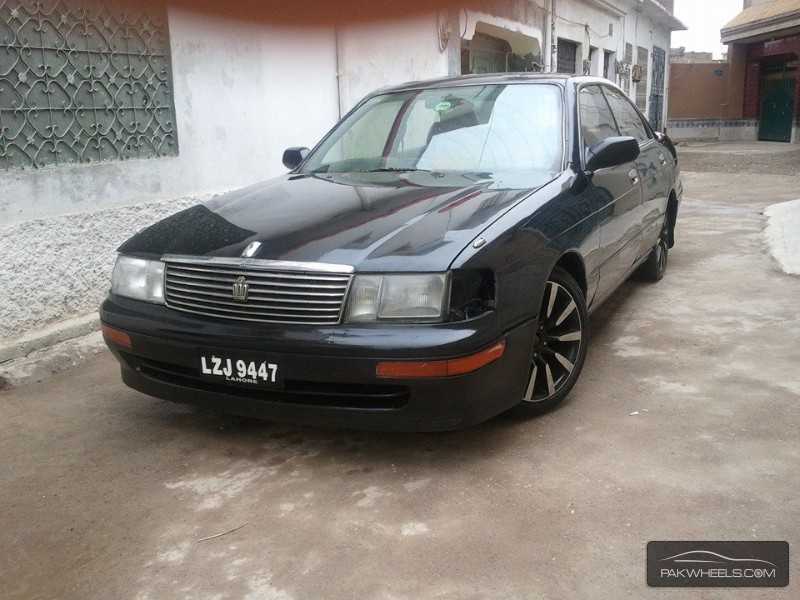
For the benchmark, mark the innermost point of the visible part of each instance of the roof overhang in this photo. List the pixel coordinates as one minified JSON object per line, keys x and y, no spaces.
{"x":656,"y":11}
{"x":607,"y":7}
{"x":762,"y":20}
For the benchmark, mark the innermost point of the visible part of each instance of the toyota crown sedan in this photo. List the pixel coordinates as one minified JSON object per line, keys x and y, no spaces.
{"x":430,"y":264}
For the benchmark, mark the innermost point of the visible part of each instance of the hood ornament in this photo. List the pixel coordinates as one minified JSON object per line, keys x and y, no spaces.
{"x":251,"y":249}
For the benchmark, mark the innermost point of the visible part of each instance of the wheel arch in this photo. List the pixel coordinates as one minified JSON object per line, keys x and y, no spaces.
{"x":572,"y":262}
{"x":671,"y":218}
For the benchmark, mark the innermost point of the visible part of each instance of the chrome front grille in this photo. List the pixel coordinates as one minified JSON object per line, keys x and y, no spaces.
{"x":257,"y":290}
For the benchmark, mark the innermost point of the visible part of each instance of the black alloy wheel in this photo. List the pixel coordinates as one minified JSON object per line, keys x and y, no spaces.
{"x":559,"y":347}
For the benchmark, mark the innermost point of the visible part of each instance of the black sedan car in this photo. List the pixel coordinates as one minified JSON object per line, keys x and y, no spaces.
{"x":431,"y":263}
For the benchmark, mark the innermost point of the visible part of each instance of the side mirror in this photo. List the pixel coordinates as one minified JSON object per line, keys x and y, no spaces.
{"x":611,"y":152}
{"x":292,"y":157}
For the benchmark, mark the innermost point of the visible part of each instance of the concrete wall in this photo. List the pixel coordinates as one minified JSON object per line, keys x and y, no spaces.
{"x":735,"y":130}
{"x":374,"y":55}
{"x":698,"y":90}
{"x":700,"y":105}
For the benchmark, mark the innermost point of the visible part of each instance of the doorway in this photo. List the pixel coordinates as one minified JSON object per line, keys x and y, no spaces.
{"x":777,"y":103}
{"x":778,"y":84}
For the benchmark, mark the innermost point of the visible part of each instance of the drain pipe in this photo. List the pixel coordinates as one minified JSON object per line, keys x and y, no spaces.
{"x":553,"y":38}
{"x":546,"y":36}
{"x":338,"y":70}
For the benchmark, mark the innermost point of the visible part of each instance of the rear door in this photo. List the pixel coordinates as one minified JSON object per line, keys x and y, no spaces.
{"x":618,"y":192}
{"x":653,"y":165}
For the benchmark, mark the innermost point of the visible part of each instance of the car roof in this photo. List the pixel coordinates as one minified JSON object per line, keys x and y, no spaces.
{"x":492,"y":79}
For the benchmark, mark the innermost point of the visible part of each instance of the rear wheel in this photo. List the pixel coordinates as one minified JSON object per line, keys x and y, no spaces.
{"x":559,"y":347}
{"x":655,"y":266}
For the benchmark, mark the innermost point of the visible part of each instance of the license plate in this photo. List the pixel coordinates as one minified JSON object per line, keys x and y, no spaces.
{"x":241,"y":371}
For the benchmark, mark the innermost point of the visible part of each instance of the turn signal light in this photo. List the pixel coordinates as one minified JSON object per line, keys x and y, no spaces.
{"x":440,"y":368}
{"x":120,"y":338}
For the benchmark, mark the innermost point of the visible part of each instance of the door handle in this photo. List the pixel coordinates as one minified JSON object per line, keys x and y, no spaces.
{"x":634,"y":175}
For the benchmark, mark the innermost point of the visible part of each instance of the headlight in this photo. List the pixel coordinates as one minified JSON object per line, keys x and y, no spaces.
{"x":138,"y":279}
{"x":409,"y":298}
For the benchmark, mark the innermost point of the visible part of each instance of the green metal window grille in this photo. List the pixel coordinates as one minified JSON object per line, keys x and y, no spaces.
{"x":83,"y":82}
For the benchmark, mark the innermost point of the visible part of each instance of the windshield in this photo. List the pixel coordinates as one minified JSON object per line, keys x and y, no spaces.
{"x":485,"y":129}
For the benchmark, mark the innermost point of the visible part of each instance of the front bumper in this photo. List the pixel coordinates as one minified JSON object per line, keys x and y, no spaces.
{"x":329,"y":372}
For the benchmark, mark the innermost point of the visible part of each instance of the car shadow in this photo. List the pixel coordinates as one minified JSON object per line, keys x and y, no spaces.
{"x":604,"y":317}
{"x":286,"y":447}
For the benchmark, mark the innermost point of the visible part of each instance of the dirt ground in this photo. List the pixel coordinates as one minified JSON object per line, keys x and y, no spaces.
{"x":684,"y":426}
{"x":763,"y":158}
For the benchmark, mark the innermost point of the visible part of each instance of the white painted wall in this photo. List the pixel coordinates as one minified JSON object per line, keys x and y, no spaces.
{"x":375,"y":55}
{"x":242,"y":93}
{"x":629,"y":24}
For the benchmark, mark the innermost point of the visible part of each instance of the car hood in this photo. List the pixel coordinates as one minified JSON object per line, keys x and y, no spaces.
{"x":373,"y":221}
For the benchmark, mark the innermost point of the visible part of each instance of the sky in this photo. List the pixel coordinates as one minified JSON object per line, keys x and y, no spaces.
{"x":704,"y":18}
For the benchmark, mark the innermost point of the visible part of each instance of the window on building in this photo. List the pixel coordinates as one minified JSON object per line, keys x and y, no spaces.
{"x":643,"y":58}
{"x":485,"y":54}
{"x":628,"y":119}
{"x":626,"y":75}
{"x":608,"y":65}
{"x":84,"y":82}
{"x":597,"y":122}
{"x":567,"y":56}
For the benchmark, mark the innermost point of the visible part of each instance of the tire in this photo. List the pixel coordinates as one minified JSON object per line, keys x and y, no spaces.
{"x":556,"y":363}
{"x":655,"y":266}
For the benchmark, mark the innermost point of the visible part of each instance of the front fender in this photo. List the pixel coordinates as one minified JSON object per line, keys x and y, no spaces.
{"x":524,"y":245}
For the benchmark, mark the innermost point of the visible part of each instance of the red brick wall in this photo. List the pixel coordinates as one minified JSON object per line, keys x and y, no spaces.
{"x":697,"y":90}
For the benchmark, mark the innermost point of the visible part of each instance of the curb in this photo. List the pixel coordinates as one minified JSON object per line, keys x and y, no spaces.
{"x":49,"y":336}
{"x":43,"y":363}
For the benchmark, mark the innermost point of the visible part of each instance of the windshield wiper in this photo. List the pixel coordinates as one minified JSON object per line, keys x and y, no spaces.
{"x":394,"y":170}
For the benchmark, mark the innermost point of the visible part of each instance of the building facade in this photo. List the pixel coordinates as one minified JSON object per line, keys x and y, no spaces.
{"x":113,"y":114}
{"x":764,"y":90}
{"x":761,"y":81}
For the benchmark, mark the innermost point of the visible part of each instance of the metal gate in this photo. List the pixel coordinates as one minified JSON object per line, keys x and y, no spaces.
{"x":657,"y":89}
{"x":777,"y":109}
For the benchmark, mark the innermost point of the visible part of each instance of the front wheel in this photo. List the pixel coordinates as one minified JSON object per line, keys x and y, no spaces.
{"x":559,"y":347}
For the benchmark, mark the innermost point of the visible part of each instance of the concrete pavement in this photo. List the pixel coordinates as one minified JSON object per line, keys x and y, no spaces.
{"x":684,"y":426}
